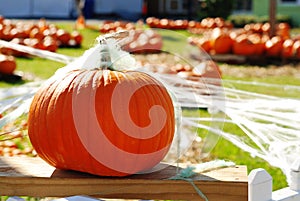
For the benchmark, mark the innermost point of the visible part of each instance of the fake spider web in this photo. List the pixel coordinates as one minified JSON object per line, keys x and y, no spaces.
{"x":270,"y":124}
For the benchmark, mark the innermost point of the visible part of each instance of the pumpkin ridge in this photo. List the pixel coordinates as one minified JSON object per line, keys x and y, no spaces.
{"x":85,"y":76}
{"x":34,"y":114}
{"x":171,"y":114}
{"x":44,"y":95}
{"x":92,"y":78}
{"x":158,"y":141}
{"x":54,"y":116}
{"x":121,"y":137}
{"x":135,"y":103}
{"x":49,"y":126}
{"x":45,"y":126}
{"x":70,"y":147}
{"x":156,"y":92}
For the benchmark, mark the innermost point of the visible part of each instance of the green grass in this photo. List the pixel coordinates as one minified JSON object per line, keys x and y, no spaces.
{"x":274,"y":90}
{"x":223,"y":150}
{"x":227,"y":151}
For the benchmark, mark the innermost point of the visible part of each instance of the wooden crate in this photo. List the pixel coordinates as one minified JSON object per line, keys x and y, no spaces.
{"x":24,"y":176}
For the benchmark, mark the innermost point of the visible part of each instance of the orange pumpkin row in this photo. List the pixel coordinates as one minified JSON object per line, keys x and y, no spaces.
{"x":282,"y":29}
{"x":165,"y":23}
{"x":143,"y":41}
{"x":209,"y":23}
{"x":48,"y":43}
{"x":113,"y":26}
{"x":40,"y":30}
{"x":11,"y":148}
{"x":206,"y":23}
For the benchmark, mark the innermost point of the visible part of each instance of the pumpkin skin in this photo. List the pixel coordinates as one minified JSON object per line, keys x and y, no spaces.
{"x":98,"y":121}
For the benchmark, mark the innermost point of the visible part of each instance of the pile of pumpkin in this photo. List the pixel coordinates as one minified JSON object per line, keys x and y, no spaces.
{"x":251,"y":40}
{"x":41,"y":35}
{"x":208,"y":23}
{"x":139,"y":40}
{"x":192,"y":26}
{"x":110,"y":26}
{"x":14,"y":143}
{"x":143,"y":41}
{"x":11,"y":148}
{"x":165,"y":23}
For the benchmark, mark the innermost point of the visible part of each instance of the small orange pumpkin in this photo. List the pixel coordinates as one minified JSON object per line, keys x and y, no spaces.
{"x":243,"y":46}
{"x":103,"y":122}
{"x":63,"y":37}
{"x":283,"y":30}
{"x":296,"y":48}
{"x":77,"y":36}
{"x":7,"y":64}
{"x":274,"y":46}
{"x":287,"y":48}
{"x":221,"y":41}
{"x":205,"y":44}
{"x":258,"y":42}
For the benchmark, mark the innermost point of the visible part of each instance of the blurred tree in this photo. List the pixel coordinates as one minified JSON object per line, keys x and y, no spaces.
{"x":215,"y":8}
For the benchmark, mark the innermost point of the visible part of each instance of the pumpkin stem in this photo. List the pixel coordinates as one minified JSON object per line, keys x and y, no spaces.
{"x":106,"y":61}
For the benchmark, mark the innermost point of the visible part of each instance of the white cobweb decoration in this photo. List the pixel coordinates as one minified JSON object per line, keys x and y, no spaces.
{"x":271,"y":124}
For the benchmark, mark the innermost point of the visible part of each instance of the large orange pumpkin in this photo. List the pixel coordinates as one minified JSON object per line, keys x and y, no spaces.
{"x":103,"y":122}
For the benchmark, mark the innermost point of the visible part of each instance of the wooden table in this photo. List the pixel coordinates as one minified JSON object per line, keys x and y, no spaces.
{"x":24,"y":176}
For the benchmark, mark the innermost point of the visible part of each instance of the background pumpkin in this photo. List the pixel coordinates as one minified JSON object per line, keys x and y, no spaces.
{"x":243,"y":46}
{"x":248,"y":44}
{"x":7,"y":64}
{"x":287,"y":48}
{"x":62,"y":113}
{"x":274,"y":46}
{"x":221,"y":41}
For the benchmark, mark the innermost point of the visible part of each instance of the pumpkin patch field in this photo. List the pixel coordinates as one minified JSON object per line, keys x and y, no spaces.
{"x":146,"y":46}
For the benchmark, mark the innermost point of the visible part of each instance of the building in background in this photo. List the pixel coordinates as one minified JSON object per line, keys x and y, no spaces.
{"x":124,"y":8}
{"x":189,"y":8}
{"x":289,"y":8}
{"x":37,"y":8}
{"x":171,"y":7}
{"x":242,"y":6}
{"x":135,"y":9}
{"x":131,"y":9}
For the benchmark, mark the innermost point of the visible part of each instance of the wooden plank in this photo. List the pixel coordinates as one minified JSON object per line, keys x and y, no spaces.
{"x":24,"y":176}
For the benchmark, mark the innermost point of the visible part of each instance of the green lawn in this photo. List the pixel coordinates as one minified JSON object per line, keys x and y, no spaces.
{"x":223,"y":150}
